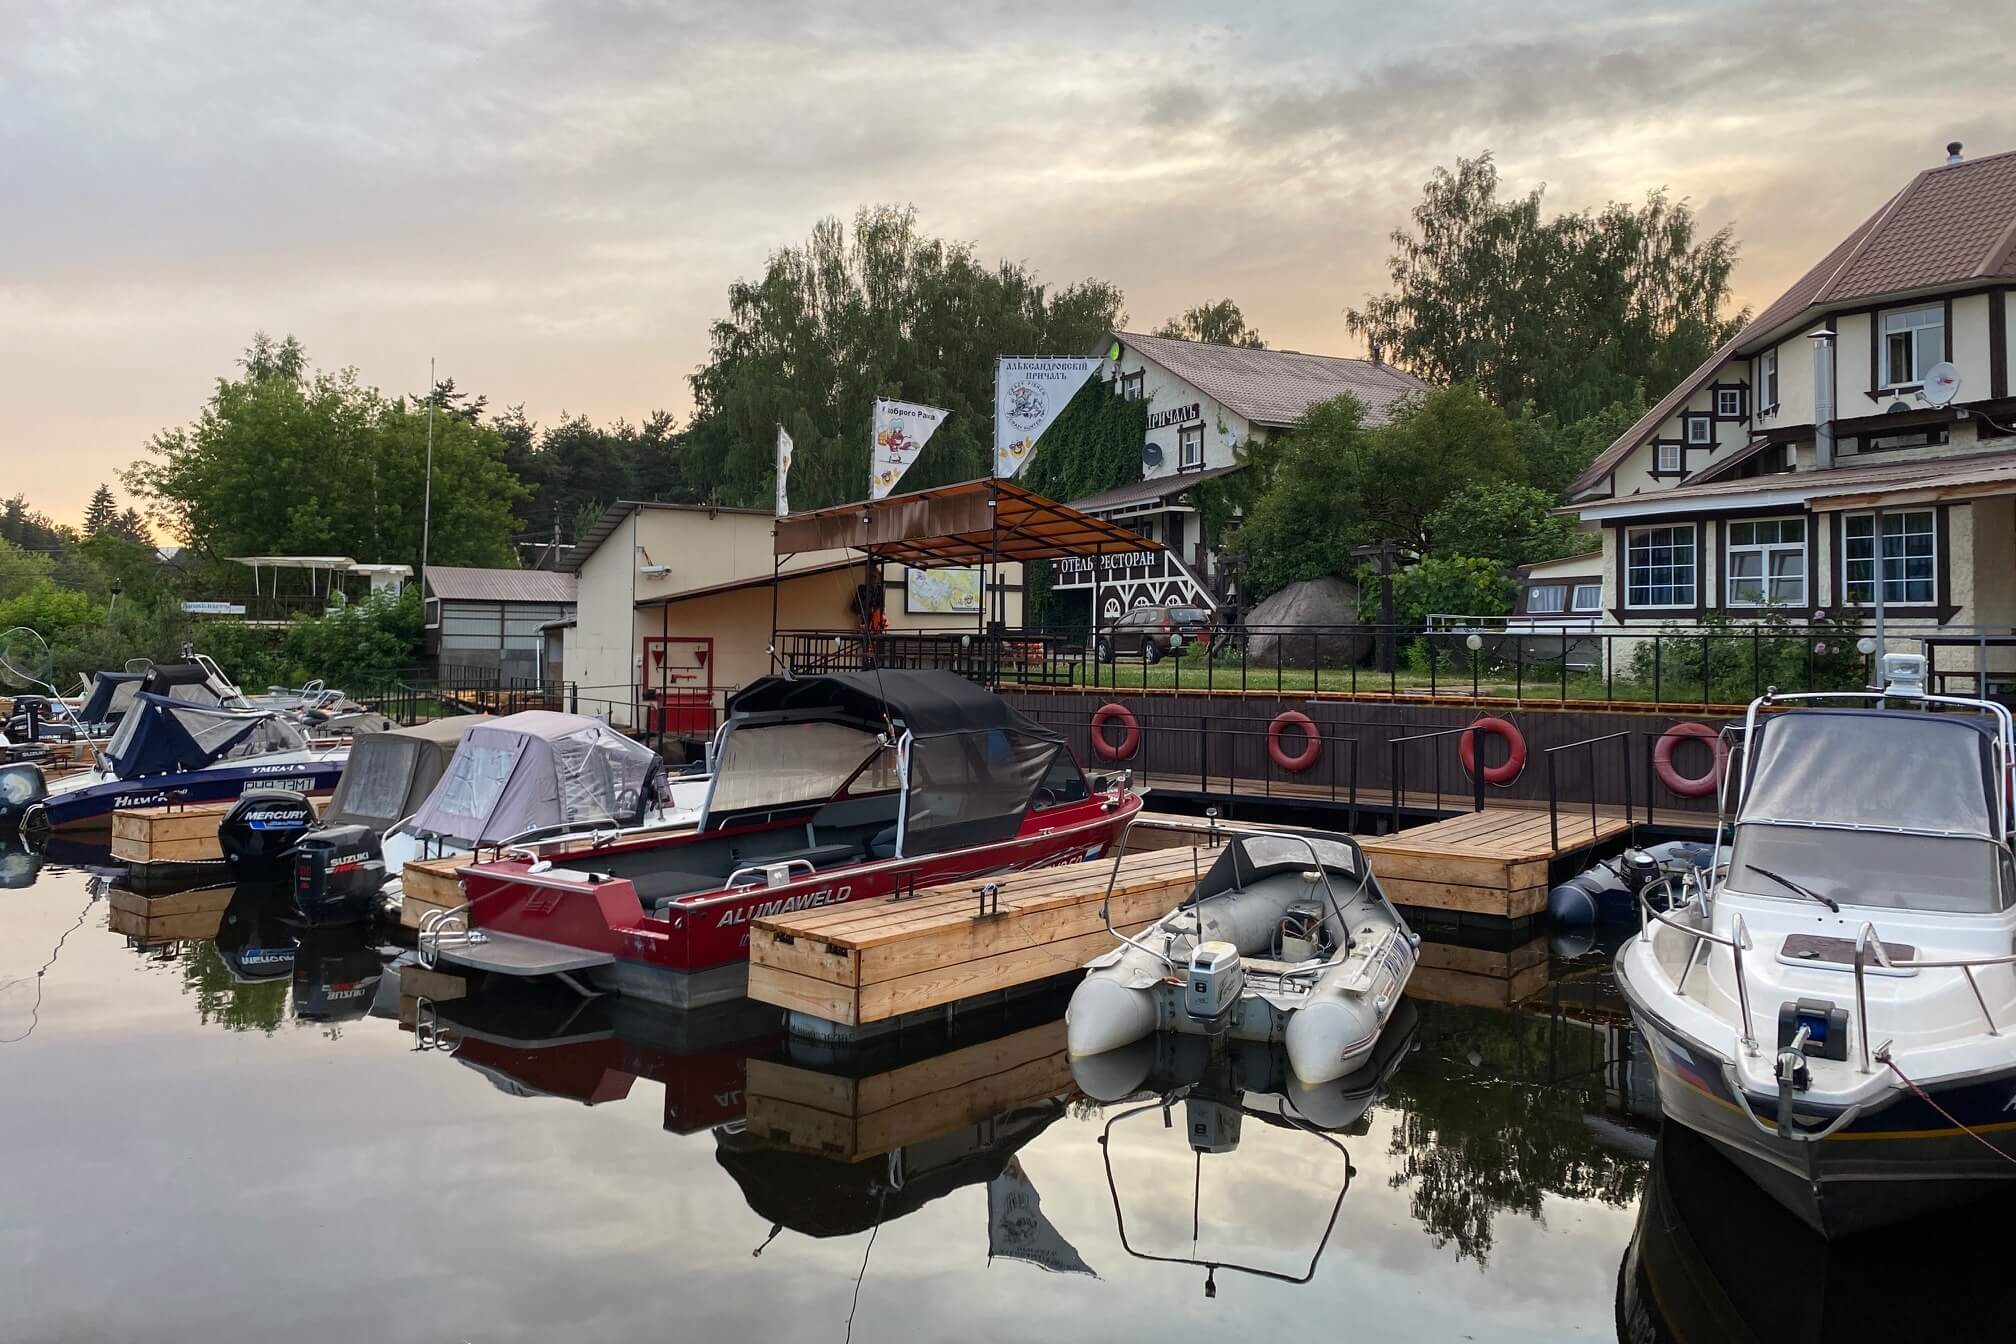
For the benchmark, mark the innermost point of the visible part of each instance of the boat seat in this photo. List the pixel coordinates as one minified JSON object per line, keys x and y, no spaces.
{"x":819,"y":856}
{"x":656,"y":888}
{"x":882,"y":844}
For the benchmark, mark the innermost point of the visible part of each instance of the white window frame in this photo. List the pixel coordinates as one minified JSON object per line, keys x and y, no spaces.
{"x":1767,"y":380}
{"x":1187,"y":437}
{"x":1134,"y":386}
{"x":1631,"y":536}
{"x":1559,"y":600}
{"x":1595,"y":602}
{"x":1903,"y":518}
{"x":1765,"y":551}
{"x":1735,"y":396}
{"x":1665,"y":466}
{"x":1705,"y":424}
{"x":1914,"y":324}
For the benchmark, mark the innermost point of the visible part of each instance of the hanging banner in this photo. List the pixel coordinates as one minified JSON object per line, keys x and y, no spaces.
{"x":902,"y":428}
{"x":1028,"y":395}
{"x":783,"y":471}
{"x":1018,"y":1230}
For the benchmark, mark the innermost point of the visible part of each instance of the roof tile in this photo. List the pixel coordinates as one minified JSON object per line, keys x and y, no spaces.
{"x":1276,"y":387}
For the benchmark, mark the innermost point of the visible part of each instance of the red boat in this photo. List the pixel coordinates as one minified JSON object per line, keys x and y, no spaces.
{"x":849,"y":786}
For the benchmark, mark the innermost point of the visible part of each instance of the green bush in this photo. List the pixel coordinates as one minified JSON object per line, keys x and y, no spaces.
{"x":1727,"y":661}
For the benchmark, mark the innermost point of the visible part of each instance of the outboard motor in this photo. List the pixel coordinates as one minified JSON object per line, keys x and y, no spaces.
{"x":258,"y":835}
{"x":1608,"y":892}
{"x":338,"y":873}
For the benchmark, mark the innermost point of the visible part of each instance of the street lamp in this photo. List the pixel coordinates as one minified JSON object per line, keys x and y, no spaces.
{"x":1384,"y":557}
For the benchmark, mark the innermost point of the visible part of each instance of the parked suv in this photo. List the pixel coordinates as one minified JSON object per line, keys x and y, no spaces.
{"x":1153,"y":632}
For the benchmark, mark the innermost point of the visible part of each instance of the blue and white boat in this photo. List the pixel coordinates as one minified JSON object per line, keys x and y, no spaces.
{"x":168,"y":750}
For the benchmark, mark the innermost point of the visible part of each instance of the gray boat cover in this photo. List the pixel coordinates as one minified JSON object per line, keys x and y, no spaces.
{"x":1891,"y":770}
{"x":390,"y":774}
{"x":538,"y":769}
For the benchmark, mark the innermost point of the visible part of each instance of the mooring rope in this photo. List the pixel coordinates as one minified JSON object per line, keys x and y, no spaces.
{"x":1926,"y":1097}
{"x":35,"y":1009}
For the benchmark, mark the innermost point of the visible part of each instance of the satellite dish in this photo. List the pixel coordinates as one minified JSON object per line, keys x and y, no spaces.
{"x":1942,"y":384}
{"x":1151,"y":454}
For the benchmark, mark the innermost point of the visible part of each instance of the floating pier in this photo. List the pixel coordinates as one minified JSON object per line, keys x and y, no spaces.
{"x":174,"y":833}
{"x":430,"y":884}
{"x":870,"y":963}
{"x":1494,"y":863}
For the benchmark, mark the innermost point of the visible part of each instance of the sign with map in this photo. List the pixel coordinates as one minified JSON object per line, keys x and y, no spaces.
{"x":941,"y":592}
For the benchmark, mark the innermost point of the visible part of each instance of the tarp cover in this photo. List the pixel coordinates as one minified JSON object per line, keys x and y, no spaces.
{"x":390,"y":774}
{"x":163,"y":736}
{"x":1250,"y":857}
{"x":111,"y":696}
{"x":924,"y":701}
{"x":1882,"y":769}
{"x":188,"y":682}
{"x":530,"y":771}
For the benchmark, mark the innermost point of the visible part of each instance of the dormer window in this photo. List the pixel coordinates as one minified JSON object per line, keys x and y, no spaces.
{"x":1914,"y":339}
{"x":1700,"y":431}
{"x":1669,"y":459}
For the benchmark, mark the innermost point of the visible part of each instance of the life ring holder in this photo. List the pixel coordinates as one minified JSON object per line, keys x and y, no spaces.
{"x":1312,"y":741}
{"x":1689,"y":786}
{"x":1130,"y":732}
{"x":1515,"y":750}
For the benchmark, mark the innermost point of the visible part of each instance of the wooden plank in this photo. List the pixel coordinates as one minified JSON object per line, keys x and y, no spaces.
{"x":1470,"y":870}
{"x":931,"y":989}
{"x":1503,"y":902}
{"x":1502,"y":963}
{"x":803,"y":994}
{"x":985,"y":938}
{"x":173,"y":834}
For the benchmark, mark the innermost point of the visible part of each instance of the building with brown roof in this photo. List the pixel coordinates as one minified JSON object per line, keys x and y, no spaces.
{"x":1878,"y":384}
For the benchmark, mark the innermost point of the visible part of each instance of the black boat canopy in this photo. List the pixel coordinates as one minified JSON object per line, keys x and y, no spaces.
{"x":111,"y":696}
{"x":161,"y":736}
{"x":926,"y":702}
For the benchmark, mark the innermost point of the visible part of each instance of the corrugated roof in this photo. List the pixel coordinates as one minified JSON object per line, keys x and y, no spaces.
{"x":613,"y":516}
{"x":1952,"y":224}
{"x":1153,"y":490}
{"x":969,"y":523}
{"x":1276,"y":387}
{"x":452,"y":583}
{"x":1919,"y":474}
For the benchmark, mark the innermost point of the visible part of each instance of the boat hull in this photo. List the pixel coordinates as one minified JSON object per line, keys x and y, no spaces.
{"x":91,"y":806}
{"x":1891,"y":1164}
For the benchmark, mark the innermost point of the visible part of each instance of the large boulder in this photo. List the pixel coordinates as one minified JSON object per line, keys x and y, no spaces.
{"x":1314,"y":621}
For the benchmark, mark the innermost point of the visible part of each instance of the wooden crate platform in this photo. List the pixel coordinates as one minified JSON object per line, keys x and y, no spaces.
{"x":174,"y":834}
{"x":430,"y":884}
{"x":870,"y":961}
{"x":854,"y":1119}
{"x":153,"y":920}
{"x":1493,"y":862}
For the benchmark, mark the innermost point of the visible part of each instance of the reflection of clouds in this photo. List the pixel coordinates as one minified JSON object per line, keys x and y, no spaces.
{"x":565,"y":189}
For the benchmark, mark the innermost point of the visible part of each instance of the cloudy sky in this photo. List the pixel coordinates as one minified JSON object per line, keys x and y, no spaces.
{"x":551,"y":197}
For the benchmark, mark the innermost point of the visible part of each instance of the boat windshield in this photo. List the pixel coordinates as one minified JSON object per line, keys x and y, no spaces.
{"x":1883,"y":869}
{"x":779,"y":764}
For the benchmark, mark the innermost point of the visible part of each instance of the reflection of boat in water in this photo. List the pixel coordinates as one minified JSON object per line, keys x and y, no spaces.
{"x":1714,"y":1259}
{"x":257,"y":935}
{"x":336,"y":973}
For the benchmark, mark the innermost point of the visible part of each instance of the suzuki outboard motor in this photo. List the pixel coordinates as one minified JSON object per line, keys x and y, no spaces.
{"x":258,"y":835}
{"x":338,"y":873}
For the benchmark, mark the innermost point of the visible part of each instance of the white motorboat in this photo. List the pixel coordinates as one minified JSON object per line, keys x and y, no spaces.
{"x":1829,"y":1006}
{"x":1287,"y":938}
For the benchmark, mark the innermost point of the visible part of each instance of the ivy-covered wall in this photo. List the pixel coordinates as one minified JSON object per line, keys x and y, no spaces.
{"x":1094,"y":445}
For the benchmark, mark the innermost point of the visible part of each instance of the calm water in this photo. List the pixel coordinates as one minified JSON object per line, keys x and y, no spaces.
{"x":214,"y":1128}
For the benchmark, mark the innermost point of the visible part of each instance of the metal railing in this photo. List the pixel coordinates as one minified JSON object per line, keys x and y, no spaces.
{"x":1867,"y":941}
{"x":1738,"y":943}
{"x":1472,"y":734}
{"x":1587,"y":745}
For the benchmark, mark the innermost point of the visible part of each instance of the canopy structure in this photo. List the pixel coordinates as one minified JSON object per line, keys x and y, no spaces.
{"x":1887,"y":770}
{"x":927,"y":703}
{"x":531,"y":771}
{"x":111,"y":696}
{"x":954,"y":525}
{"x":389,"y":774}
{"x":159,"y":735}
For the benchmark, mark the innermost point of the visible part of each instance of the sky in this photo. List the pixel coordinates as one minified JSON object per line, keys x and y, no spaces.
{"x":550,"y":197}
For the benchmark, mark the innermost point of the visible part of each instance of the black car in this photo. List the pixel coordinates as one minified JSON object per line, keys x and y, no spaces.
{"x":1153,"y":632}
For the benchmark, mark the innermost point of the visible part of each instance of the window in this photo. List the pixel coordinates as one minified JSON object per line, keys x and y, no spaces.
{"x":1134,"y":386}
{"x":1588,"y":597}
{"x":1913,"y":341}
{"x":1767,"y":562}
{"x":1729,"y":403}
{"x":1190,"y":446}
{"x":1546,"y":599}
{"x":1700,"y":430}
{"x":1669,"y":457}
{"x":1659,"y":566}
{"x":1910,"y":557}
{"x":1767,"y":379}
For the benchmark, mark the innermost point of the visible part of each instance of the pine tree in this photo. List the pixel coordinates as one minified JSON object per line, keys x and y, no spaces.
{"x":102,"y":513}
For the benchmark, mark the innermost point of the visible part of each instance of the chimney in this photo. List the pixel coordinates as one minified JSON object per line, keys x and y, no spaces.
{"x":1953,"y":151}
{"x":1376,"y":354}
{"x":1823,"y":397}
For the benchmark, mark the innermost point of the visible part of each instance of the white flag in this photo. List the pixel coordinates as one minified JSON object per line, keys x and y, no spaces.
{"x":902,"y":428}
{"x":1028,"y":395}
{"x":1017,"y":1229}
{"x":783,"y":471}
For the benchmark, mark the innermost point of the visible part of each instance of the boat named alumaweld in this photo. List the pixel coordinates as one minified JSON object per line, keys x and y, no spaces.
{"x":169,"y":750}
{"x":1833,"y":1008}
{"x":845,"y":787}
{"x":1287,"y":938}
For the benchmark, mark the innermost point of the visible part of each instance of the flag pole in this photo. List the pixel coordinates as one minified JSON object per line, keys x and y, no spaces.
{"x":427,"y":491}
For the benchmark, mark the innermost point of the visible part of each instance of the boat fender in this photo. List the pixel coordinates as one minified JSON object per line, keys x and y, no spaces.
{"x":1515,"y":751}
{"x":1312,"y":741}
{"x":1696,"y":786}
{"x":1130,"y":732}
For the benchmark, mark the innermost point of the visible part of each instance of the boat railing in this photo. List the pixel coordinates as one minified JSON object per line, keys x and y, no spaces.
{"x":1738,"y":942}
{"x":449,"y":926}
{"x":1867,"y":942}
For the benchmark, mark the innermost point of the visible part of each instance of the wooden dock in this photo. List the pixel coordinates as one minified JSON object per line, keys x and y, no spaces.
{"x":430,"y":884}
{"x":174,"y":833}
{"x":870,"y":962}
{"x":854,"y":1119}
{"x":1494,"y":863}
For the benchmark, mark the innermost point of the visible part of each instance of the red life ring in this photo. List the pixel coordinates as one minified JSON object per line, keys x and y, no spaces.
{"x":1699,"y":786}
{"x":1130,"y":732}
{"x":1515,"y":751}
{"x":1312,"y":741}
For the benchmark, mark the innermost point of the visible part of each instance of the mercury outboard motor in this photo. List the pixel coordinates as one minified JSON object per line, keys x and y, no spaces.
{"x":338,"y":873}
{"x":259,"y":834}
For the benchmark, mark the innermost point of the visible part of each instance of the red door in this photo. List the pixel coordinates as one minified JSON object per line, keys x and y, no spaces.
{"x":679,"y":685}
